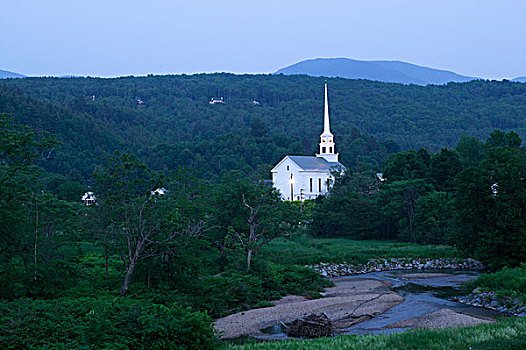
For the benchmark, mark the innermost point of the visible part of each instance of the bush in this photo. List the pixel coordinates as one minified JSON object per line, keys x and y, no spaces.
{"x":115,"y":323}
{"x":506,"y":282}
{"x":298,"y":280}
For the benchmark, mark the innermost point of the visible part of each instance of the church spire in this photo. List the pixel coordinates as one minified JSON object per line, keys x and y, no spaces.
{"x":327,"y":149}
{"x":326,"y":125}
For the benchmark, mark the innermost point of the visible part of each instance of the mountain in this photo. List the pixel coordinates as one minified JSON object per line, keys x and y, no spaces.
{"x":520,"y":79}
{"x":384,"y":71}
{"x":6,"y":74}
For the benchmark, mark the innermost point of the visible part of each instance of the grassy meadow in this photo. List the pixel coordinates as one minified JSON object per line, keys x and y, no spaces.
{"x":303,"y":250}
{"x":508,"y":282}
{"x":509,"y":334}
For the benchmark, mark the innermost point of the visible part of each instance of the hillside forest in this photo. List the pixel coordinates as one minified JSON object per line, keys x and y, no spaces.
{"x":140,"y":267}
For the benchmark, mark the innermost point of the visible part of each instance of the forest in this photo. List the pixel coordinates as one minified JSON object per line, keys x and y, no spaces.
{"x":139,"y":267}
{"x":168,"y":120}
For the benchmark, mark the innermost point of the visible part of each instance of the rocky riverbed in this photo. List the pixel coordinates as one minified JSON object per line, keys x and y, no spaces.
{"x":382,"y":302}
{"x":491,"y":300}
{"x":350,"y":301}
{"x":376,"y":265}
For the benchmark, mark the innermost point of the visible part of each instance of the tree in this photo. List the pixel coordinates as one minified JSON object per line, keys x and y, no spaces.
{"x":407,"y":166}
{"x":140,"y":221}
{"x":248,"y":214}
{"x":470,"y":150}
{"x":34,"y":222}
{"x":350,"y":209}
{"x":445,"y":165}
{"x":491,"y":204}
{"x":400,"y":202}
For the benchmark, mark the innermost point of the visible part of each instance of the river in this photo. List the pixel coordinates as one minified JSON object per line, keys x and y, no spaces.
{"x":424,"y":292}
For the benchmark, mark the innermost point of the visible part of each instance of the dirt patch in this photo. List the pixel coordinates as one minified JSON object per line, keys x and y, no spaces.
{"x":442,"y":318}
{"x":350,"y":301}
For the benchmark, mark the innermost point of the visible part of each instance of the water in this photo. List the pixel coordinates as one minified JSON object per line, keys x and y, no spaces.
{"x":421,"y":296}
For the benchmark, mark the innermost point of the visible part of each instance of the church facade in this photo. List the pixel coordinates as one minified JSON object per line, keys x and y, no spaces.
{"x":305,"y":177}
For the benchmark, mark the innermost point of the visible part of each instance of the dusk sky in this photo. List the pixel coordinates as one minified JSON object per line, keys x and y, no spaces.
{"x":482,"y":38}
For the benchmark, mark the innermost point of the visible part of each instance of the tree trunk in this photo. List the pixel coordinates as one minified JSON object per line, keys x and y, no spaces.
{"x":36,"y":242}
{"x":106,"y":255}
{"x":127,"y":278}
{"x":249,"y":258}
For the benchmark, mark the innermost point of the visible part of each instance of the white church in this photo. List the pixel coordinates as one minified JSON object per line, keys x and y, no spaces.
{"x":306,"y":177}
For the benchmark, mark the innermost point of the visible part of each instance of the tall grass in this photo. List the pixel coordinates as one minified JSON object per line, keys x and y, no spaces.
{"x":506,"y":282}
{"x":509,"y":334}
{"x":304,"y":250}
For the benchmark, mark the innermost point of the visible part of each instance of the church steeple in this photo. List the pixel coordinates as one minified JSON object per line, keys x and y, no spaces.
{"x":326,"y":125}
{"x":327,"y":149}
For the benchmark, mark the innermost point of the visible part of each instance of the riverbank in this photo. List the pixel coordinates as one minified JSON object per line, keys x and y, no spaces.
{"x":491,"y":300}
{"x":392,"y":264}
{"x":503,"y":290}
{"x":348,"y":302}
{"x":378,"y":302}
{"x":506,"y":334}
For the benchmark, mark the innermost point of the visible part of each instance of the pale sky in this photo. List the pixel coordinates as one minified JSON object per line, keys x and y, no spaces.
{"x":482,"y":38}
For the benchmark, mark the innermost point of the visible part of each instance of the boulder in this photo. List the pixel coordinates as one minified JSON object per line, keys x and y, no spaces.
{"x":312,"y":326}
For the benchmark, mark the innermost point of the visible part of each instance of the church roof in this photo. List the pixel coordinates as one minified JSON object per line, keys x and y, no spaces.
{"x":315,"y":163}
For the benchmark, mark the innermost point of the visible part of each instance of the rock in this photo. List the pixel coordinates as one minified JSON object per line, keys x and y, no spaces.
{"x":312,"y":326}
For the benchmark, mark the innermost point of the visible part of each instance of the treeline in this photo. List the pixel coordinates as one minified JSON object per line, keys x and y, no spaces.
{"x":149,"y":262}
{"x":472,"y":197}
{"x":86,"y":135}
{"x":93,"y":116}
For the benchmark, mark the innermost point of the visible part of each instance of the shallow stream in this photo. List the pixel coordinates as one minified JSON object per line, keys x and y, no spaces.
{"x":421,"y":296}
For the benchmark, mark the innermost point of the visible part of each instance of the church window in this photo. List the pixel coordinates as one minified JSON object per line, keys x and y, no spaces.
{"x":323,"y":150}
{"x":330,"y":149}
{"x":319,"y":185}
{"x":288,"y":168}
{"x":311,"y":184}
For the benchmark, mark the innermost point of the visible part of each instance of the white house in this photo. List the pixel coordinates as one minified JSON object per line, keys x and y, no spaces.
{"x":306,"y":177}
{"x":88,"y":198}
{"x":216,"y":100}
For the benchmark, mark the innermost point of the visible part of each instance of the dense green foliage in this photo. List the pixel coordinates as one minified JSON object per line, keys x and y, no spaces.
{"x":175,"y":124}
{"x":505,"y":334}
{"x":139,"y":266}
{"x":473,"y":196}
{"x":508,"y":282}
{"x":102,"y":323}
{"x":136,"y":268}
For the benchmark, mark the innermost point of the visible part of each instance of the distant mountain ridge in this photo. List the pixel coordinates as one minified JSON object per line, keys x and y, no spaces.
{"x":384,"y":71}
{"x":4,"y":74}
{"x":520,"y":79}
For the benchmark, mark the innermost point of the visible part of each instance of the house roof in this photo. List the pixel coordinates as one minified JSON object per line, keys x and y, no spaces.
{"x":312,"y":163}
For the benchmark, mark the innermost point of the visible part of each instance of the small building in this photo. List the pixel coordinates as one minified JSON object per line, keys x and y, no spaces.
{"x":161,"y":191}
{"x":306,"y":177}
{"x":88,"y":198}
{"x":216,"y":100}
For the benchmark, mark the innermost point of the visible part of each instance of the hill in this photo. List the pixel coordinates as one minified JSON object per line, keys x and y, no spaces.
{"x":173,"y":124}
{"x":385,"y":71}
{"x":520,"y":79}
{"x":6,"y":74}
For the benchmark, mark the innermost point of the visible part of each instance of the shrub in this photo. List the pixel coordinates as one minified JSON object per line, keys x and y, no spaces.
{"x":116,"y":323}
